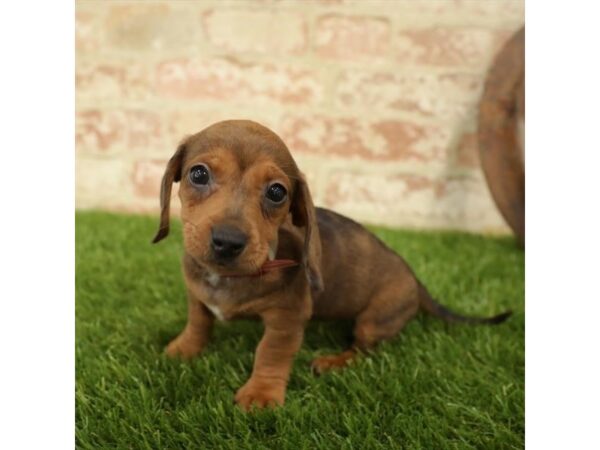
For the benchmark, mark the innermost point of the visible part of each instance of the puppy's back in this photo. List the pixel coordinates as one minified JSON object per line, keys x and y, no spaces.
{"x":355,"y":264}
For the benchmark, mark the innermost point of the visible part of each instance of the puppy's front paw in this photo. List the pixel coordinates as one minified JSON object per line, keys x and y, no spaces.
{"x":261,"y":394}
{"x":184,"y":346}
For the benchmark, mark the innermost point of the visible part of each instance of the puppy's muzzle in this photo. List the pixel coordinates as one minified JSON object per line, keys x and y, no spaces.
{"x":227,"y":242}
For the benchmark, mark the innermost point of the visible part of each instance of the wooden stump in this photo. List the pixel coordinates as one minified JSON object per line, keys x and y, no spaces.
{"x":501,"y":132}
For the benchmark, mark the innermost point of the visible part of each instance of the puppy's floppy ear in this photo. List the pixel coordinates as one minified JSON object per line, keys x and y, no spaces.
{"x":172,"y":174}
{"x":304,"y":215}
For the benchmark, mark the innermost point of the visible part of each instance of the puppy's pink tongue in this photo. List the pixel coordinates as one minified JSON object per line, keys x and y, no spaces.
{"x":278,"y":264}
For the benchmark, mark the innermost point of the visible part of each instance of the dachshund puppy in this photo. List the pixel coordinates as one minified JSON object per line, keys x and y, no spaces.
{"x":255,"y":246}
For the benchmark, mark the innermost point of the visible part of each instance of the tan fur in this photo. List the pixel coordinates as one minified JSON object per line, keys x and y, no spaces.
{"x":344,"y":271}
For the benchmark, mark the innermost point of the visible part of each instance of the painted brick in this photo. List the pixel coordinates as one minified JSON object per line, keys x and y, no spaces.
{"x":404,"y":140}
{"x":145,"y":206}
{"x":348,"y":37}
{"x":151,"y":26}
{"x":494,"y":10}
{"x":347,"y":188}
{"x":448,"y":46}
{"x":467,"y":152}
{"x":182,"y":122}
{"x":104,"y":81}
{"x":446,"y":96}
{"x":130,"y":205}
{"x":455,"y":10}
{"x":99,"y":131}
{"x":465,"y":203}
{"x":147,"y":175}
{"x":88,"y":32}
{"x":232,"y":81}
{"x":387,"y":140}
{"x":268,"y":32}
{"x":353,"y":87}
{"x":413,"y":200}
{"x":101,"y":179}
{"x":321,"y":135}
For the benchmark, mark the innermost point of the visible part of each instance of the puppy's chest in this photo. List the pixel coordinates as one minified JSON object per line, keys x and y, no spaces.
{"x":227,"y":299}
{"x":218,"y":300}
{"x":216,"y":310}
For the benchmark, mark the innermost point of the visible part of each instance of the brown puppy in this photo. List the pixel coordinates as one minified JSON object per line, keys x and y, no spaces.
{"x":255,"y":246}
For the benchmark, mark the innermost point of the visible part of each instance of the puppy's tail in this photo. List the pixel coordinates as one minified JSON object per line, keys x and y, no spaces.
{"x":429,"y":305}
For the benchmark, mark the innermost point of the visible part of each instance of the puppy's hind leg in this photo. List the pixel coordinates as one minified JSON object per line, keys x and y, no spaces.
{"x":387,"y":313}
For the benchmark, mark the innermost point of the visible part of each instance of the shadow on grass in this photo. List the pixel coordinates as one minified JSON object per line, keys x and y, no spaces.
{"x":319,"y":334}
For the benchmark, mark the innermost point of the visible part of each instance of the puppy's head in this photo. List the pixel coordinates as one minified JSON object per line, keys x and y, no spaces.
{"x":238,"y":184}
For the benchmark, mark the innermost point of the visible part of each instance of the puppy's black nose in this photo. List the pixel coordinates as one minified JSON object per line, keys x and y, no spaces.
{"x":227,"y":241}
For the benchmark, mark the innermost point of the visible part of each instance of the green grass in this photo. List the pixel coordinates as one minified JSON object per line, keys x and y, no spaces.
{"x":435,"y":386}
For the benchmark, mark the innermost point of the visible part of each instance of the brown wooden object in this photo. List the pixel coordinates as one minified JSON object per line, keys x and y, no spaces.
{"x":501,"y":132}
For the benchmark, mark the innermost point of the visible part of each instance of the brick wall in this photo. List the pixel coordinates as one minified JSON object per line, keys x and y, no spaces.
{"x":376,"y":99}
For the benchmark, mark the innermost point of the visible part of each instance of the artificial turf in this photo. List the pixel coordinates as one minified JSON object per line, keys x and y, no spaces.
{"x":435,"y":386}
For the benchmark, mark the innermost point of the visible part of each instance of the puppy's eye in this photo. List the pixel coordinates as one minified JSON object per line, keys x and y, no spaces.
{"x":199,"y":175}
{"x":276,"y":193}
